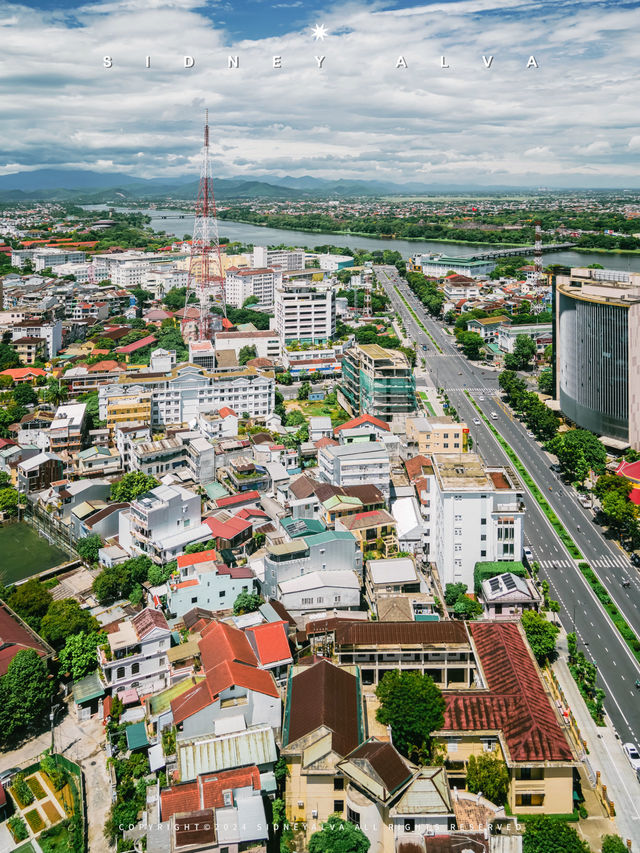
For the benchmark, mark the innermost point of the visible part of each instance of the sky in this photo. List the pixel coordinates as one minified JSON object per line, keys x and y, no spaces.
{"x":378,"y":106}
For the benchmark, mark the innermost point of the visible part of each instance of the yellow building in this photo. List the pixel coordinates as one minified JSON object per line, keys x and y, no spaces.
{"x":512,"y":713}
{"x":374,"y":530}
{"x":323,"y":722}
{"x":129,"y":409}
{"x":437,"y":435}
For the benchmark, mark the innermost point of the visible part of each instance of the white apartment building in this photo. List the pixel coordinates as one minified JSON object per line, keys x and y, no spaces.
{"x":161,"y":281}
{"x":304,"y":312}
{"x":267,"y":342}
{"x":107,"y":266}
{"x":242,"y":283}
{"x":356,"y":464}
{"x":541,"y":334}
{"x":179,"y":396}
{"x":475,"y":514}
{"x":333,"y":263}
{"x":137,"y":656}
{"x":455,"y":291}
{"x":80,"y":271}
{"x":51,"y":332}
{"x":43,"y":258}
{"x":161,"y":523}
{"x":287,"y":259}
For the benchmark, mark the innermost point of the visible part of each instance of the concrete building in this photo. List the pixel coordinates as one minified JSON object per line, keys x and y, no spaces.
{"x":439,"y":265}
{"x":68,"y":428}
{"x":360,"y":463}
{"x":38,"y":472}
{"x":541,"y":334}
{"x":287,"y":259}
{"x":179,"y":396}
{"x":319,"y":591}
{"x":49,"y":332}
{"x":304,"y":312}
{"x":436,"y":435}
{"x":267,"y":342}
{"x":474,"y":513}
{"x":202,"y":353}
{"x":137,"y":656}
{"x":597,"y":350}
{"x":488,"y":327}
{"x":377,"y":381}
{"x":49,"y":257}
{"x":241,"y":283}
{"x":507,"y":595}
{"x":203,"y":580}
{"x":128,"y":410}
{"x":162,"y":522}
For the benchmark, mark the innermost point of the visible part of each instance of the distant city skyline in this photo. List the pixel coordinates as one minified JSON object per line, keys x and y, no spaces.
{"x":372,"y":90}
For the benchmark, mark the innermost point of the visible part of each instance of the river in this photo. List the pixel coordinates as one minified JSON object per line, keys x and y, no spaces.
{"x":265,"y":236}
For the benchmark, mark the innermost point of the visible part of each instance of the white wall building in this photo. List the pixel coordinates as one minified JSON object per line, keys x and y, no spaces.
{"x":51,"y":332}
{"x":43,"y":258}
{"x":304,"y":312}
{"x":287,"y":259}
{"x":267,"y":342}
{"x":138,"y":654}
{"x":475,"y":514}
{"x":356,"y":464}
{"x":240,"y":284}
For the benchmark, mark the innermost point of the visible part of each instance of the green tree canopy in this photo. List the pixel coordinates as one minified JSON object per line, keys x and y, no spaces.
{"x":452,"y":593}
{"x":247,"y":353}
{"x":132,"y":485}
{"x":31,"y":600}
{"x":78,"y":655}
{"x":24,"y":394}
{"x":88,"y":547}
{"x":9,"y":499}
{"x":613,"y":844}
{"x":472,"y":344}
{"x":303,"y":391}
{"x":64,"y":618}
{"x":25,"y":695}
{"x":413,"y":706}
{"x":524,"y":351}
{"x":541,"y":635}
{"x":487,"y":773}
{"x":246,"y":602}
{"x":578,"y":452}
{"x":548,"y":835}
{"x":467,"y":607}
{"x":545,"y":381}
{"x":338,"y":836}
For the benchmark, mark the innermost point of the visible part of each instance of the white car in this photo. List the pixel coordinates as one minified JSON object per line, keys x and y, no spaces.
{"x":476,"y":421}
{"x":527,"y":554}
{"x":531,"y":434}
{"x":481,"y":398}
{"x":631,"y":751}
{"x":494,"y":417}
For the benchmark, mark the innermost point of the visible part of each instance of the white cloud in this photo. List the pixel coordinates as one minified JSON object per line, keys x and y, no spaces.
{"x":357,"y":117}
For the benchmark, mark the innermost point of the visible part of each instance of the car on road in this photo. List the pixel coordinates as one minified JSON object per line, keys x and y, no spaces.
{"x":631,"y":751}
{"x":527,"y":554}
{"x":476,"y":421}
{"x":481,"y":398}
{"x":531,"y":434}
{"x":494,"y":416}
{"x":424,"y":346}
{"x":635,"y":560}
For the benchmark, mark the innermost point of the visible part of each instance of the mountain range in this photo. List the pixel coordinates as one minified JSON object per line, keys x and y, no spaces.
{"x":87,"y":187}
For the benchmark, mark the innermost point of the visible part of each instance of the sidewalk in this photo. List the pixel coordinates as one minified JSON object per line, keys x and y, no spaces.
{"x":605,"y":754}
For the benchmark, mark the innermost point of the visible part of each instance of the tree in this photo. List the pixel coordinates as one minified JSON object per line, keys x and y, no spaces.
{"x":56,"y":392}
{"x":26,"y":694}
{"x":524,"y":350}
{"x":613,"y":844}
{"x":25,"y":395}
{"x":132,"y":485}
{"x":472,"y":344}
{"x":295,"y":418}
{"x":488,"y":773}
{"x":31,"y":600}
{"x":78,"y":656}
{"x":246,"y":354}
{"x":8,"y":357}
{"x":303,"y":392}
{"x":88,"y":547}
{"x":160,"y":574}
{"x":413,"y":706}
{"x":452,"y":592}
{"x":620,"y":513}
{"x":541,"y":636}
{"x":246,"y":602}
{"x":9,"y":500}
{"x":467,"y":607}
{"x":578,"y":452}
{"x":545,"y":381}
{"x":338,"y":836}
{"x":548,"y":835}
{"x":64,"y":618}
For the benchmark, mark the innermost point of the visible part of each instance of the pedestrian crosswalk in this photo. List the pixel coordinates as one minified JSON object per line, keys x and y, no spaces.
{"x":611,"y":562}
{"x":555,"y":564}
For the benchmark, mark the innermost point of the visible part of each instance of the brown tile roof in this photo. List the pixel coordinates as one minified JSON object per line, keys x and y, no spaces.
{"x":399,"y":633}
{"x":207,"y":791}
{"x":385,"y":761}
{"x":303,"y":486}
{"x":325,"y":695}
{"x":515,"y":703}
{"x":415,"y":467}
{"x":499,"y":480}
{"x":147,"y":620}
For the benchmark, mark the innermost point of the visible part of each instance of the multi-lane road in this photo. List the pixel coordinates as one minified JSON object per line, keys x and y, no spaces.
{"x":580,"y":609}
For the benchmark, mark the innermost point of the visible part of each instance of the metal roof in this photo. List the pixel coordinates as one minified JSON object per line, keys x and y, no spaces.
{"x":209,"y":754}
{"x":88,"y":688}
{"x":137,"y":736}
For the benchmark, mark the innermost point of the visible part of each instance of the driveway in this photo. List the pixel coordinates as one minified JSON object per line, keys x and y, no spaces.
{"x":80,"y":742}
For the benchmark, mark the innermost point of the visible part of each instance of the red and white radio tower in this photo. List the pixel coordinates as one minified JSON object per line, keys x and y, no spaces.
{"x":205,"y":247}
{"x":537,"y":257}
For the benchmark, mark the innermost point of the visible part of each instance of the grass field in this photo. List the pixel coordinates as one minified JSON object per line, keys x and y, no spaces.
{"x":319,"y":408}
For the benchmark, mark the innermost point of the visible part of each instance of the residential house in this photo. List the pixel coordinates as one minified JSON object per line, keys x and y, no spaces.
{"x":356,"y":464}
{"x":203,"y":580}
{"x":323,"y":722}
{"x":373,"y":531}
{"x":318,"y":591}
{"x":136,"y":654}
{"x":391,"y":577}
{"x":436,"y":435}
{"x":98,"y":462}
{"x":38,"y":472}
{"x":506,"y":596}
{"x":68,"y":428}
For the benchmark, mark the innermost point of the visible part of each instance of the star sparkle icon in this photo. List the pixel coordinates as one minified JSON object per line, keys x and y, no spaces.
{"x":319,"y":32}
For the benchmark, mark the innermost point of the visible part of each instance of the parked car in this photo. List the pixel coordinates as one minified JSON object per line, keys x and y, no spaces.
{"x":527,"y":554}
{"x":6,"y":775}
{"x":631,"y":751}
{"x":531,"y":434}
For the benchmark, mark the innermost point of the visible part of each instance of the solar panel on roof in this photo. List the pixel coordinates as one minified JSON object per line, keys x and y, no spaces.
{"x":494,"y":583}
{"x":509,"y":582}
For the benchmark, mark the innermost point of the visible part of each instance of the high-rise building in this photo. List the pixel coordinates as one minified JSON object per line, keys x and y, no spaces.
{"x":597,"y":350}
{"x":377,"y":381}
{"x":305,"y":312}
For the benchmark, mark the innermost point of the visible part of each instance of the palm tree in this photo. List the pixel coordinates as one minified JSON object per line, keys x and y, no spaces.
{"x":56,"y":393}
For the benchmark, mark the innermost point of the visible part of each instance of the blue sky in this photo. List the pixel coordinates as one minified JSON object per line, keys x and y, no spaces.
{"x":572,"y":121}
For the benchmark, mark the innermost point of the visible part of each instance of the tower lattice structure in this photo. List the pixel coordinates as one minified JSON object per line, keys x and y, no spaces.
{"x":206,"y":275}
{"x":537,"y":257}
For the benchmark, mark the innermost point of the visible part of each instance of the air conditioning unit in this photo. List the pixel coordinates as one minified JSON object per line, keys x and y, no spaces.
{"x":300,"y":804}
{"x":314,"y":814}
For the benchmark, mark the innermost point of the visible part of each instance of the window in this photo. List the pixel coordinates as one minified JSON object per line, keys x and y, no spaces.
{"x":120,"y":672}
{"x":194,"y":600}
{"x":457,"y":531}
{"x":352,"y":817}
{"x":135,"y":668}
{"x":483,"y":537}
{"x":338,"y":806}
{"x":338,"y":783}
{"x":483,"y":521}
{"x":483,"y":553}
{"x":457,"y":547}
{"x":529,"y":799}
{"x":222,"y":594}
{"x":457,"y":518}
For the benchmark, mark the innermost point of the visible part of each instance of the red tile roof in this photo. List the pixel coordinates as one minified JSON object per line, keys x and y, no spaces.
{"x":20,"y":373}
{"x":222,"y":642}
{"x":14,"y":637}
{"x":227,"y":529}
{"x":225,"y":411}
{"x":415,"y":467}
{"x":230,"y":673}
{"x":190,"y":582}
{"x":243,"y":498}
{"x":184,"y":560}
{"x":515,"y":702}
{"x":207,"y":791}
{"x":270,"y":642}
{"x":325,"y":442}
{"x":136,"y":345}
{"x":363,"y":419}
{"x":147,"y":620}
